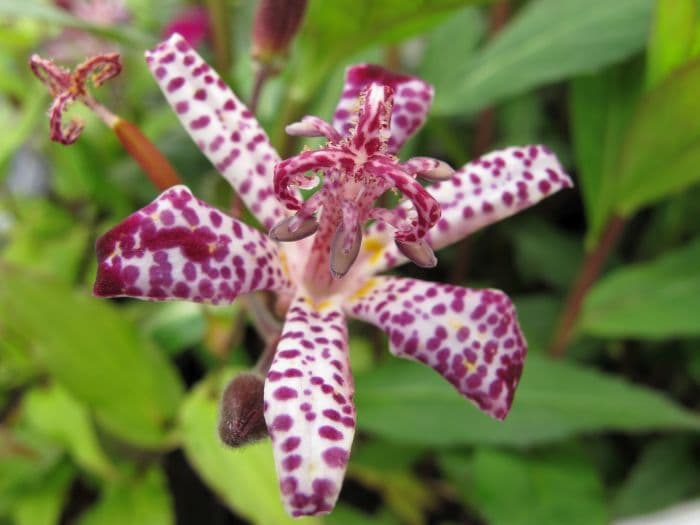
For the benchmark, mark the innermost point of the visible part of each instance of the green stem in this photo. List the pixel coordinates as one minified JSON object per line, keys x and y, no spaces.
{"x":219,"y":15}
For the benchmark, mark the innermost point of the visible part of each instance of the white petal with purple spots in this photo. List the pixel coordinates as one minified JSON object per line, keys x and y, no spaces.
{"x":222,"y":127}
{"x":487,"y":190}
{"x":309,"y":407}
{"x":469,"y":336}
{"x":412,"y":100}
{"x":179,"y":247}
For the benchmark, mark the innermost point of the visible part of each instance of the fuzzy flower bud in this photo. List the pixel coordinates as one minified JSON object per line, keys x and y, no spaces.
{"x":275,"y":25}
{"x":242,"y":420}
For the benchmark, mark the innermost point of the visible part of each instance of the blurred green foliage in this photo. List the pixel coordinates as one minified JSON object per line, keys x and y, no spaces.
{"x":108,"y":410}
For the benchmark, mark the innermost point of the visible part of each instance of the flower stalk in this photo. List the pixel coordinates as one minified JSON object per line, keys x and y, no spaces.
{"x":587,"y":276}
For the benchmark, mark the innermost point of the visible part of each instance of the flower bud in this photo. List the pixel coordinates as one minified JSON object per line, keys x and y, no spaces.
{"x":242,"y":419}
{"x":275,"y":25}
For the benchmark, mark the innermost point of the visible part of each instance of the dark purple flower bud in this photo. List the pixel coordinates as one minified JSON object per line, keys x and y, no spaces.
{"x":242,"y":420}
{"x":275,"y":25}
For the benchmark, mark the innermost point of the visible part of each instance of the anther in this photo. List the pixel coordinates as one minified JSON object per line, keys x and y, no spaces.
{"x":419,"y":252}
{"x":345,"y":246}
{"x":294,"y":228}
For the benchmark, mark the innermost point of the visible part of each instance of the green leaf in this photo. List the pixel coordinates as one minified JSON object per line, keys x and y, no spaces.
{"x":548,"y":488}
{"x":43,"y":504}
{"x":144,"y":499}
{"x":96,"y":354}
{"x":54,"y":413}
{"x":666,"y":473}
{"x":26,"y":461}
{"x":175,"y":325}
{"x":244,"y":478}
{"x":401,"y":491}
{"x":549,"y":40}
{"x":601,"y":106}
{"x":661,"y":150}
{"x":23,"y":124}
{"x":400,"y":400}
{"x":545,"y":253}
{"x":335,"y":30}
{"x":451,"y":43}
{"x":651,"y":300}
{"x":672,"y":36}
{"x":537,"y":314}
{"x":47,"y":240}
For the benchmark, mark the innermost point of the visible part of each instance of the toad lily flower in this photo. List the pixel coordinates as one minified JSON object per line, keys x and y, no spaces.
{"x":178,"y":247}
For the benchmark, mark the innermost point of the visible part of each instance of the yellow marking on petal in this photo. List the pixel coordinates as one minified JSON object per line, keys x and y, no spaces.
{"x":455,"y":323}
{"x":363,"y":290}
{"x":155,"y":216}
{"x":283,"y":263}
{"x":375,"y":248}
{"x":468,"y":365}
{"x":323,"y":305}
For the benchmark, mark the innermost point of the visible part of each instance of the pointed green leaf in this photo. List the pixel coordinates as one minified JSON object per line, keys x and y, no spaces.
{"x":54,"y":413}
{"x":601,"y":107}
{"x":548,"y":488}
{"x":43,"y":504}
{"x":99,"y":357}
{"x":674,"y":26}
{"x":651,"y":300}
{"x":666,"y":473}
{"x":549,"y":40}
{"x":661,"y":151}
{"x":400,"y":400}
{"x":144,"y":499}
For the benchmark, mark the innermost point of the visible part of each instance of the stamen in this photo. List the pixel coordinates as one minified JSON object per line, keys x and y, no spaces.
{"x":345,"y":246}
{"x":294,"y":228}
{"x":313,"y":127}
{"x":357,"y":169}
{"x":427,"y":208}
{"x":432,"y":170}
{"x":419,"y":252}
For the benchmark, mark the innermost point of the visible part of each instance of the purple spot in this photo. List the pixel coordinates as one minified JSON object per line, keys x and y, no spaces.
{"x":331,"y":433}
{"x":335,"y":457}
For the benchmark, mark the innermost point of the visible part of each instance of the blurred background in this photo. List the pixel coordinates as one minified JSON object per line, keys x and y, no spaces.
{"x":108,"y":409}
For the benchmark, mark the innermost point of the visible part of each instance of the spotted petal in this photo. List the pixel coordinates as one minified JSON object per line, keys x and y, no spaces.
{"x":471,"y":337}
{"x":223,"y":128}
{"x":412,"y":100}
{"x":179,"y":247}
{"x":309,"y":407}
{"x":487,"y":190}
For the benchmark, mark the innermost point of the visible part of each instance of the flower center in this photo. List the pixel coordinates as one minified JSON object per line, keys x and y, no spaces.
{"x":355,"y":171}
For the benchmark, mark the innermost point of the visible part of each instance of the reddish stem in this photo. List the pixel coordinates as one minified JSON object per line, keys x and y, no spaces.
{"x":262,"y":74}
{"x":144,"y":152}
{"x":587,"y":276}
